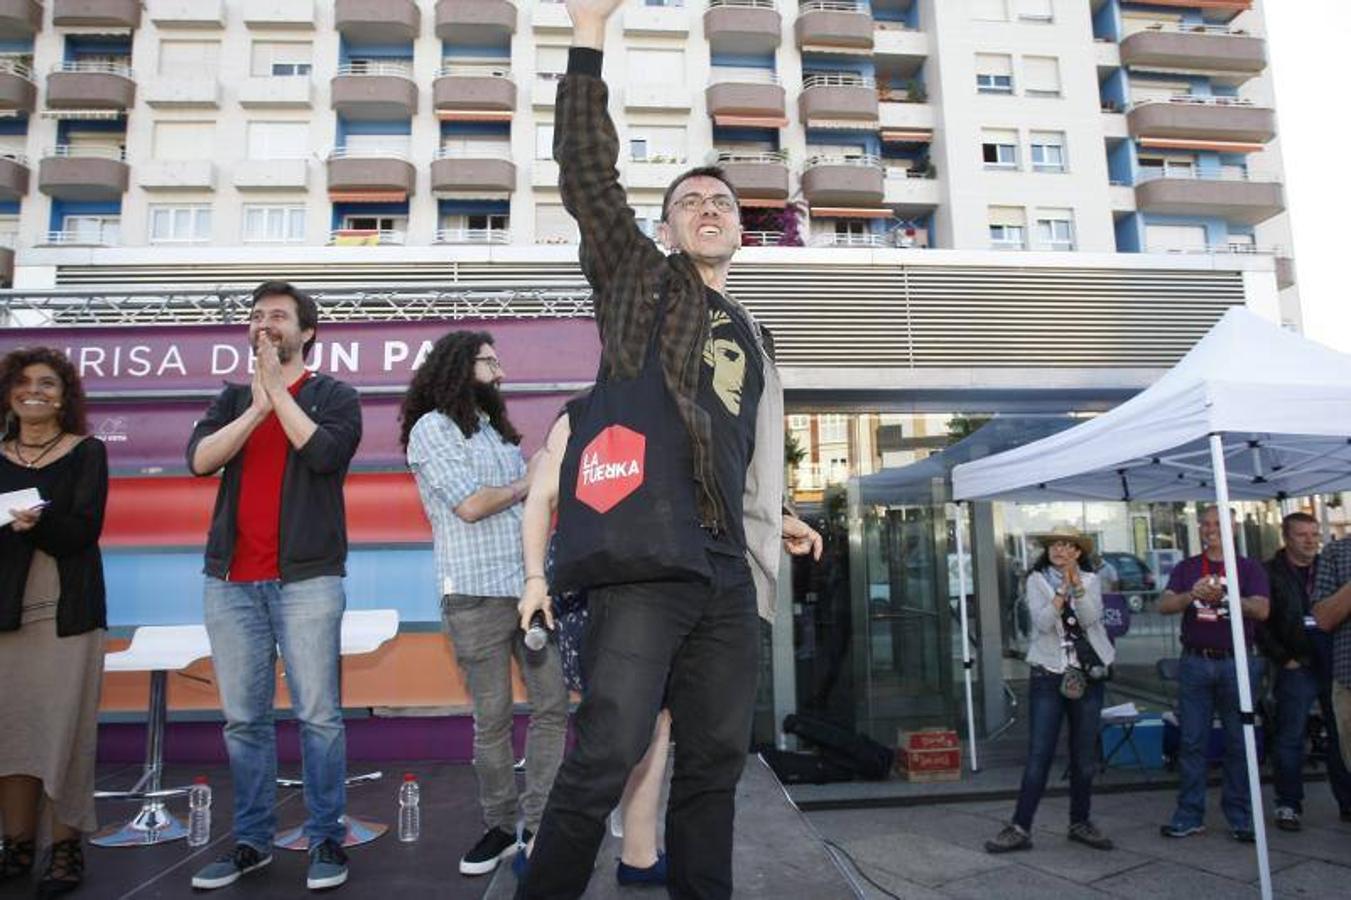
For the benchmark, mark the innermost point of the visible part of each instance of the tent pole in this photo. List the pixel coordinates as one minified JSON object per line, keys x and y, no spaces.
{"x":1241,"y":660}
{"x":966,"y":639}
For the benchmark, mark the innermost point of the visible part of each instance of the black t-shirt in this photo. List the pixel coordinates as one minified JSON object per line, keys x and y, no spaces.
{"x":730,"y":384}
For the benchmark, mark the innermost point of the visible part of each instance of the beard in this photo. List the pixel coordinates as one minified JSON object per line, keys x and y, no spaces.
{"x":285,"y":352}
{"x":488,"y":398}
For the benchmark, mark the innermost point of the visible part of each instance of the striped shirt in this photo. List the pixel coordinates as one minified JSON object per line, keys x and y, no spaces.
{"x":482,"y":558}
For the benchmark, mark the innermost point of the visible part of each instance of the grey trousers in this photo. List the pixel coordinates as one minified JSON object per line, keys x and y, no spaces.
{"x":1341,"y":709}
{"x":486,"y":634}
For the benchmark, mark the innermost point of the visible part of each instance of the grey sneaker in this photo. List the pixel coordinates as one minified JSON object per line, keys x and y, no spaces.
{"x":328,"y":866}
{"x":230,"y":868}
{"x":1172,"y":830}
{"x":1287,"y":819}
{"x":1011,"y":838}
{"x":1088,"y":834}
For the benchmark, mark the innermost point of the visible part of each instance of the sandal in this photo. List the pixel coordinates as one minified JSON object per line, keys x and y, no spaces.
{"x":16,"y":857}
{"x":65,"y":869}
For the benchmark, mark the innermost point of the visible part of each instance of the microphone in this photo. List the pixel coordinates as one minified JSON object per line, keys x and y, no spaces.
{"x":537,"y":635}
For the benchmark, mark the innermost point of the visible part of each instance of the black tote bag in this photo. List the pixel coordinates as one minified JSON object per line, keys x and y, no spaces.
{"x":626,"y":499}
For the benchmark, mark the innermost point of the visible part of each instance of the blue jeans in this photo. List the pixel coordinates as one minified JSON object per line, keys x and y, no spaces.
{"x":247,"y":622}
{"x":1296,"y":690}
{"x":1208,"y":688}
{"x":1046,"y":708}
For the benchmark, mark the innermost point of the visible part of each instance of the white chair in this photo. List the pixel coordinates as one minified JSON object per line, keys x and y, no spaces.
{"x":159,"y":650}
{"x":363,"y":631}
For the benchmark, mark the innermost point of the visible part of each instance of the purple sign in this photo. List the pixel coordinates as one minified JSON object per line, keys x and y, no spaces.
{"x":137,"y":377}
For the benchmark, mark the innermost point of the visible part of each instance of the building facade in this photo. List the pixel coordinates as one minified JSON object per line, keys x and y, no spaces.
{"x":953,"y":209}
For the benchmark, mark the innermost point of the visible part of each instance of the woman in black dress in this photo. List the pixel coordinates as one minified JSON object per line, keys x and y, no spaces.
{"x":52,"y":617}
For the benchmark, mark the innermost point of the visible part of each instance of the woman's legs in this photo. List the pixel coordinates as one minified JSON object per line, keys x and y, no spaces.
{"x":19,"y":796}
{"x":642,"y":796}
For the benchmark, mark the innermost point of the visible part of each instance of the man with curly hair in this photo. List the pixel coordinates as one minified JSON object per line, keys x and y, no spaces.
{"x":465,"y":455}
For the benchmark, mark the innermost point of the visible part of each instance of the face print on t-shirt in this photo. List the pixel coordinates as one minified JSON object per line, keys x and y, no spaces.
{"x":727,"y":359}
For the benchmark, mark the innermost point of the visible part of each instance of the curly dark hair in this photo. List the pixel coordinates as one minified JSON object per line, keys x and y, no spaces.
{"x":445,"y":383}
{"x":71,"y":417}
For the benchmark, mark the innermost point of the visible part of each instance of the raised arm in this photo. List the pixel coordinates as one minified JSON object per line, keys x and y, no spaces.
{"x":536,"y":522}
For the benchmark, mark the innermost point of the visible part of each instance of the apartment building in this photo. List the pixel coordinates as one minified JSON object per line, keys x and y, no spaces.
{"x":935,"y":194}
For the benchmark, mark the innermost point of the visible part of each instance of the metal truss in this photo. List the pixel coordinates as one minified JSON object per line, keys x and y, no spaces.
{"x":103,"y":306}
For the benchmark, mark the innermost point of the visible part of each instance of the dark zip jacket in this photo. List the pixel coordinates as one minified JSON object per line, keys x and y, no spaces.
{"x":1284,"y":635}
{"x":313,"y":516}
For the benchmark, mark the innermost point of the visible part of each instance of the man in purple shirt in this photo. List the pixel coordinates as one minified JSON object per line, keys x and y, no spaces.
{"x":1207,"y":678}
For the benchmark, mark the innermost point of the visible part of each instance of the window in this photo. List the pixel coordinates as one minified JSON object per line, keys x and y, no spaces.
{"x":1048,"y":151}
{"x":191,"y":59}
{"x":1175,"y":238}
{"x":279,"y":140}
{"x":1167,"y":166}
{"x":1008,"y":228}
{"x":274,"y":224}
{"x":550,"y":62}
{"x":833,"y":428}
{"x":648,"y":218}
{"x":374,"y":223}
{"x":1034,"y":10}
{"x":657,"y":143}
{"x":92,"y":229}
{"x":994,"y":73}
{"x":544,"y":141}
{"x":377,"y":144}
{"x":1041,"y":76}
{"x":1055,"y":229}
{"x":474,"y":146}
{"x":651,"y":67}
{"x":990,"y":10}
{"x":999,"y":149}
{"x":798,"y":422}
{"x":183,"y":140}
{"x":553,"y":225}
{"x":280,"y":59}
{"x":180,"y":224}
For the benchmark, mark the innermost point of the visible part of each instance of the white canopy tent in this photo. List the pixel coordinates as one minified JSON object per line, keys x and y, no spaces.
{"x":1252,"y":412}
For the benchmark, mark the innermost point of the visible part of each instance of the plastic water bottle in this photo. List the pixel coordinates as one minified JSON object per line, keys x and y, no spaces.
{"x":410,"y":817}
{"x":199,"y":812}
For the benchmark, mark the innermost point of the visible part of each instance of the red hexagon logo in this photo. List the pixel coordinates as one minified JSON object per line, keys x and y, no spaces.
{"x":612,"y":467}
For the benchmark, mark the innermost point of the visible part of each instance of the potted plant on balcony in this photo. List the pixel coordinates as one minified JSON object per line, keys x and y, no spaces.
{"x":915,"y":92}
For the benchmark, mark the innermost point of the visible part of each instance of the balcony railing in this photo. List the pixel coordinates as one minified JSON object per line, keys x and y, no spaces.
{"x":86,"y":237}
{"x":765,"y":157}
{"x":391,"y":68}
{"x":866,"y":161}
{"x":904,"y":174}
{"x":75,"y":151}
{"x":1193,"y":101}
{"x":368,"y":153}
{"x":14,"y":67}
{"x":473,"y":236}
{"x":846,"y":6}
{"x":1192,"y":174}
{"x":761,"y":238}
{"x":1223,"y":250}
{"x":449,"y":70}
{"x":850,"y":240}
{"x":487,"y":151}
{"x":839,"y":79}
{"x":743,"y":4}
{"x":359,"y":236}
{"x":1197,"y":29}
{"x":93,"y":67}
{"x":745,"y":76}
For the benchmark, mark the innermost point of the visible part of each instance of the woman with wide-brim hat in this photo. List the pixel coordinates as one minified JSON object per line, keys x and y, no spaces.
{"x":1069,"y":653}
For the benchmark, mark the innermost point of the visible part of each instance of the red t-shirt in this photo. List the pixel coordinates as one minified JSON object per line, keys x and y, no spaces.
{"x":258,"y":518}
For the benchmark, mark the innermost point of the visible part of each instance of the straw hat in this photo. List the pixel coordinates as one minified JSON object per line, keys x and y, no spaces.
{"x":1069,"y":535}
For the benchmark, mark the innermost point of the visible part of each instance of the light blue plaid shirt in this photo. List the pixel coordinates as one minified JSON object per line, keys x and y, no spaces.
{"x":482,"y":558}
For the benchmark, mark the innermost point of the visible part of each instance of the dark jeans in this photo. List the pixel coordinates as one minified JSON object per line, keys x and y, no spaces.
{"x":702,"y":639}
{"x":1207,"y":688}
{"x":1296,"y":690}
{"x":1045,"y":710}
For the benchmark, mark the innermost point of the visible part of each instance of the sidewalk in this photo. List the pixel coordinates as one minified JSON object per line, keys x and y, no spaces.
{"x":937,"y":851}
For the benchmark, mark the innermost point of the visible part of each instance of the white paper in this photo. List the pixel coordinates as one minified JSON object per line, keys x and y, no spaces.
{"x":24,"y":499}
{"x":1121,"y":711}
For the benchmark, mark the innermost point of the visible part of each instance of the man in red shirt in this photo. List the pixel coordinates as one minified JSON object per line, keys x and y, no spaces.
{"x":275,"y":559}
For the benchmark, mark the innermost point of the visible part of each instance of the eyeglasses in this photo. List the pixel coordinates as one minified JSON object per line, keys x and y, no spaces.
{"x":494,"y":364}
{"x":695,"y":202}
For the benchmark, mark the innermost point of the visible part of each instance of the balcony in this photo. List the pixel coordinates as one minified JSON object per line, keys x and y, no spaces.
{"x":17,"y":90}
{"x":13,"y":177}
{"x":743,"y":26}
{"x":893,"y":42}
{"x":377,"y":21}
{"x":835,"y":26}
{"x":373,"y":90}
{"x":370,"y":175}
{"x":188,"y":13}
{"x":911,"y":192}
{"x":1236,"y":196}
{"x":757,"y":176}
{"x":474,"y":94}
{"x":475,"y":236}
{"x":107,"y":234}
{"x":271,"y":175}
{"x":70,"y":172}
{"x":366,"y":237}
{"x":288,"y":92}
{"x":182,"y":93}
{"x":176,"y":175}
{"x":476,"y":22}
{"x":864,"y":241}
{"x":657,"y":21}
{"x":19,"y":19}
{"x":105,"y":13}
{"x":838,"y":100}
{"x":296,"y":15}
{"x":1205,"y":48}
{"x":843,"y":181}
{"x":1222,"y":119}
{"x":91,"y":84}
{"x":484,"y":174}
{"x":746,"y":100}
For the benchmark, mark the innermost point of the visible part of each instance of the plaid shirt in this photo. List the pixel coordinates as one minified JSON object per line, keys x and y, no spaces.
{"x":626,"y":269}
{"x":1334,"y":570}
{"x":482,"y":558}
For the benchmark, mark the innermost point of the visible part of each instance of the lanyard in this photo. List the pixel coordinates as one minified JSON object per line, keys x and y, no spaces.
{"x":1205,"y":566}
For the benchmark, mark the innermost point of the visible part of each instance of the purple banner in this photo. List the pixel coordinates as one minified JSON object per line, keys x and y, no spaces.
{"x":147,"y":431}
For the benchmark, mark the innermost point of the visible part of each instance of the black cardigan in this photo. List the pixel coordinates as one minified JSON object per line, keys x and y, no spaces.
{"x":68,"y":530}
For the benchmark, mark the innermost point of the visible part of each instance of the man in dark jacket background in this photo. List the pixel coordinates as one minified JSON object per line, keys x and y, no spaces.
{"x":275,"y":559}
{"x":1301,"y":656}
